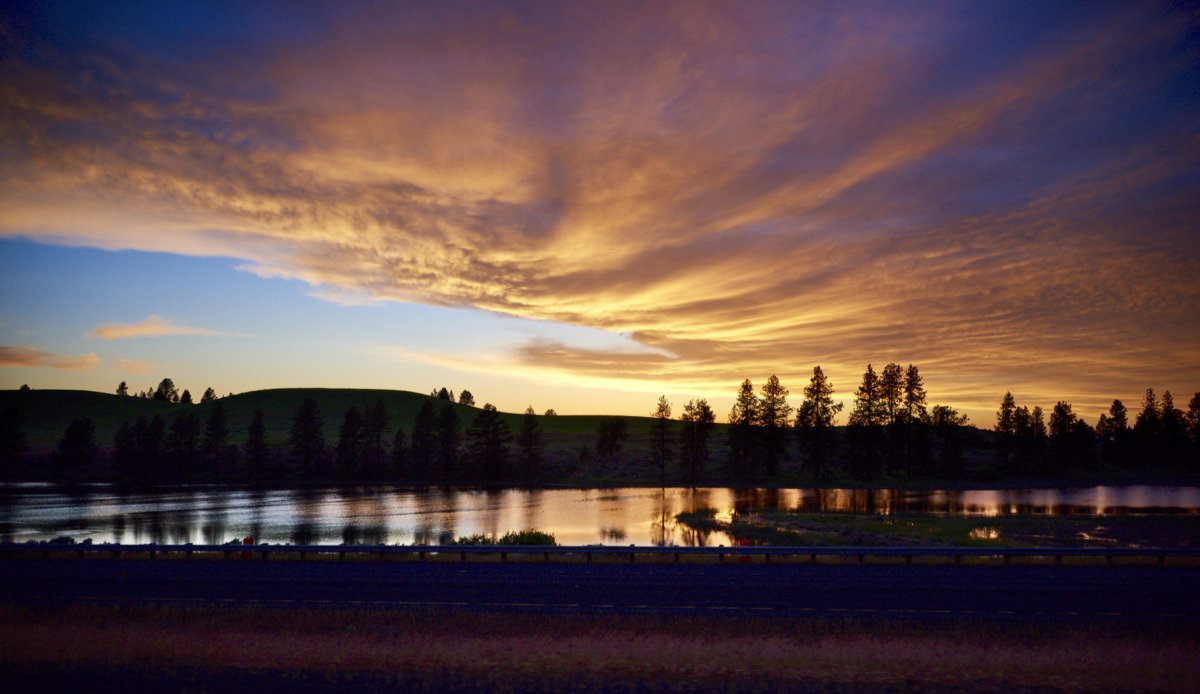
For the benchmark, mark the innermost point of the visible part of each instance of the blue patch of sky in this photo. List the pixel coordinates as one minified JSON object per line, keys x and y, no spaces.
{"x":278,"y":333}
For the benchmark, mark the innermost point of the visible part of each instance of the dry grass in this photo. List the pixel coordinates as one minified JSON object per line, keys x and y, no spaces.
{"x":591,"y":651}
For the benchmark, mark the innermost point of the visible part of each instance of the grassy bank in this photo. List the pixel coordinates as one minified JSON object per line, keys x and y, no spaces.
{"x":334,"y":650}
{"x":859,"y":529}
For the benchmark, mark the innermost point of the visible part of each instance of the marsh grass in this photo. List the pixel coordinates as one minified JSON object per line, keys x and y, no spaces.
{"x":587,"y":652}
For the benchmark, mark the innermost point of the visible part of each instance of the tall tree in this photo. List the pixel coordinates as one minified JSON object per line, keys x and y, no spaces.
{"x":123,"y":389}
{"x":610,"y":434}
{"x":182,"y":445}
{"x":660,"y":437}
{"x":371,"y":442}
{"x":1113,"y":431}
{"x":948,"y":433}
{"x":1173,"y":430}
{"x":529,"y":445}
{"x":216,"y":436}
{"x":698,"y":422}
{"x":863,"y":435}
{"x":1147,"y":429}
{"x":868,"y":407}
{"x":399,"y":453}
{"x":891,"y":390}
{"x":166,"y":391}
{"x":422,"y":442}
{"x":347,"y":451}
{"x":743,"y":443}
{"x":257,"y":452}
{"x":307,"y":443}
{"x":446,"y":428}
{"x":814,"y":424}
{"x":1193,"y":425}
{"x":186,"y":398}
{"x":13,"y":444}
{"x":914,"y":394}
{"x":487,"y":441}
{"x":209,"y":395}
{"x":77,"y":447}
{"x":465,"y":398}
{"x":774,"y":414}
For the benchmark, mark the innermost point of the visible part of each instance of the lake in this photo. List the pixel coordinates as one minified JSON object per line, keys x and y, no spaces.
{"x":622,"y":516}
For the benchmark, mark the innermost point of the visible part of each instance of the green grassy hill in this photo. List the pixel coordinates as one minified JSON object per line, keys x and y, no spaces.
{"x":45,"y":414}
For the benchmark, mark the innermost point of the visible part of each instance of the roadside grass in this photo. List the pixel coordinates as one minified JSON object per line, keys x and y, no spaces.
{"x":475,"y":651}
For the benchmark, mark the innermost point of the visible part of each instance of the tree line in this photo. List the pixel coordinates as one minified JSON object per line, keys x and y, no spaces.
{"x":437,"y":447}
{"x":893,"y":432}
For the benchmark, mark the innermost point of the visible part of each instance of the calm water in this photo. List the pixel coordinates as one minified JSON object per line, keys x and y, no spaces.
{"x":576,"y":517}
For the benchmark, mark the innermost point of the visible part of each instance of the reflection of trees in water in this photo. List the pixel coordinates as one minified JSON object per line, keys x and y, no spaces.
{"x":214,"y":528}
{"x":7,"y":526}
{"x":747,"y":501}
{"x":304,"y":532}
{"x":692,"y":537}
{"x":662,"y":528}
{"x":613,"y":534}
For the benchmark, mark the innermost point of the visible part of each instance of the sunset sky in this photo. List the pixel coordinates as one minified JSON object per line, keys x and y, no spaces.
{"x":585,"y":205}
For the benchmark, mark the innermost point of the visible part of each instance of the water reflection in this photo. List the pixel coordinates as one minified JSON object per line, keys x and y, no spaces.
{"x":575,"y":516}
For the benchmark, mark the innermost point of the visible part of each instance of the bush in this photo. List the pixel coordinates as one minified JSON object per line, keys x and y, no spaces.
{"x":516,"y":537}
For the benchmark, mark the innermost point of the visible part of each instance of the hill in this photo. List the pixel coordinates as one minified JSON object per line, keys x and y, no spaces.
{"x":45,"y":414}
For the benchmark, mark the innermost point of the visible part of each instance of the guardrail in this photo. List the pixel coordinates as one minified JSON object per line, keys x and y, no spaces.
{"x":589,"y":552}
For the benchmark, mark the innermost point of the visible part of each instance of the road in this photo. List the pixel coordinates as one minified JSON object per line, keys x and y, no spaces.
{"x":1138,"y":592}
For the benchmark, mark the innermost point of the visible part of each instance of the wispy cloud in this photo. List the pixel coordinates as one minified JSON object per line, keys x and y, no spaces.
{"x":18,"y":356}
{"x":152,"y":326}
{"x":746,"y":190}
{"x":137,"y":367}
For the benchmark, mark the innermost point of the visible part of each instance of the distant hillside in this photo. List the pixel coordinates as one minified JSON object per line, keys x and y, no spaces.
{"x":45,"y":414}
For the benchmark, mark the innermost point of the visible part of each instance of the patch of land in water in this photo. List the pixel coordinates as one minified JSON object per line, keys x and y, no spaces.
{"x":923,"y":530}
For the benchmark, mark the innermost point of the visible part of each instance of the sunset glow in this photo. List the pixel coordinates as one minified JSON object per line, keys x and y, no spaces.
{"x":584,"y":205}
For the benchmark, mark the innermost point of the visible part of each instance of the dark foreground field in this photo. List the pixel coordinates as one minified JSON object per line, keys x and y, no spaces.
{"x":120,"y":649}
{"x":107,"y":625}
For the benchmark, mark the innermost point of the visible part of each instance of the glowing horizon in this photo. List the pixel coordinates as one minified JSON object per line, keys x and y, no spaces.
{"x":593,"y":204}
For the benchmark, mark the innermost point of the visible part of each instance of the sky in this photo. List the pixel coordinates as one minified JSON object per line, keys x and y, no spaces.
{"x":582,"y":206}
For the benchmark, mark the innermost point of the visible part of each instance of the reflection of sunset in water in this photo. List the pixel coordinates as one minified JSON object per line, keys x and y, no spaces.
{"x":623,"y":516}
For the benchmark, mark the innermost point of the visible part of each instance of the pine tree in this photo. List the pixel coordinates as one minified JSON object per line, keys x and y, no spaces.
{"x":868,"y":408}
{"x":914,"y":394}
{"x":488,"y":440}
{"x":371,"y":436}
{"x":208,"y":396}
{"x":774,"y":414}
{"x":446,"y":428}
{"x":77,"y":447}
{"x":814,"y":424}
{"x":891,"y":390}
{"x":422,"y":442}
{"x":529,"y":442}
{"x":307,"y":443}
{"x":698,"y":422}
{"x":216,"y":433}
{"x":660,"y":437}
{"x":347,"y":451}
{"x":257,"y":453}
{"x":743,"y":439}
{"x":123,"y":389}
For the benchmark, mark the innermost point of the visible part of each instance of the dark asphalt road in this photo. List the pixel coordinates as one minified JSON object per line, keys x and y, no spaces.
{"x":1141,"y":592}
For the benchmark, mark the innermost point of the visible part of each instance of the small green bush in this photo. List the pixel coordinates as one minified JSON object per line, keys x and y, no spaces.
{"x":516,"y":537}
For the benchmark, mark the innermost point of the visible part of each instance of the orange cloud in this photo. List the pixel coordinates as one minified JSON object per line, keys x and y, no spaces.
{"x":746,"y":190}
{"x":20,"y":356}
{"x":152,"y":326}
